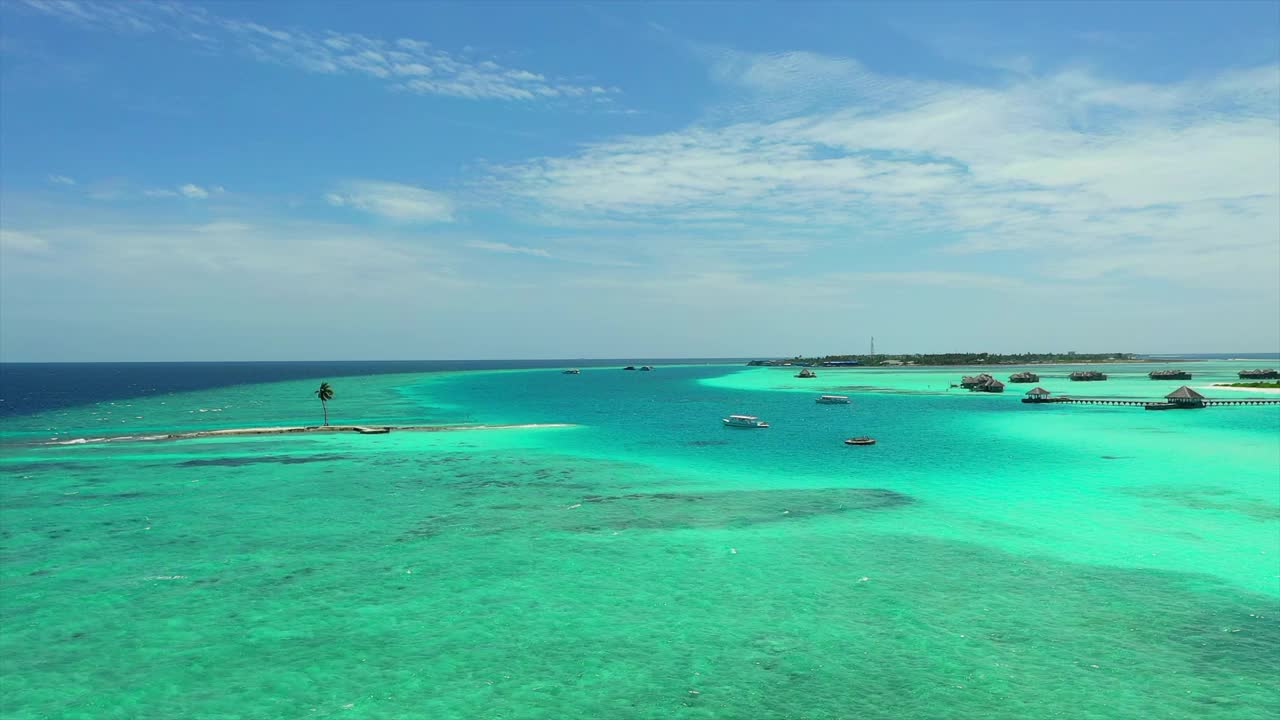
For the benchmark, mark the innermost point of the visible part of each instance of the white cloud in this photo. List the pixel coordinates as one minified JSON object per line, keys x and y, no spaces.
{"x":188,"y":190}
{"x":502,"y":247}
{"x":24,"y":243}
{"x":61,"y":180}
{"x":401,"y":64}
{"x":394,"y":201}
{"x":1056,"y":165}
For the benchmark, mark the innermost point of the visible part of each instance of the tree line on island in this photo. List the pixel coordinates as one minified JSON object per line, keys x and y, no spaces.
{"x":953,"y":359}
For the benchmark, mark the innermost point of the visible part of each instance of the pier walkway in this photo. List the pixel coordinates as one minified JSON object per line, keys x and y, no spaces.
{"x":1142,"y":403}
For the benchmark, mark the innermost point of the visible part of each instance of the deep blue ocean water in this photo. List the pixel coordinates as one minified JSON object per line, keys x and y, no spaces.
{"x":27,"y":388}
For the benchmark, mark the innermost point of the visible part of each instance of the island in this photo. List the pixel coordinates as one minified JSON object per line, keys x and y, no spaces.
{"x":945,"y":359}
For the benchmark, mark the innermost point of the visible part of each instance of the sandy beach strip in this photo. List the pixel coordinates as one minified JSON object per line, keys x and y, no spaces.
{"x":301,"y":429}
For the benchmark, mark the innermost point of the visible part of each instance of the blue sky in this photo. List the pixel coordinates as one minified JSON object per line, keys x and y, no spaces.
{"x":426,"y":180}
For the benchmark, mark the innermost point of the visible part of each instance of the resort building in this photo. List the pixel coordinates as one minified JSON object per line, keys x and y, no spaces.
{"x":1087,"y":376}
{"x":1185,"y":397}
{"x":970,"y":381}
{"x":1169,"y":375}
{"x":1268,"y":374}
{"x":1024,"y":377}
{"x":991,"y":385}
{"x":1038,"y":394}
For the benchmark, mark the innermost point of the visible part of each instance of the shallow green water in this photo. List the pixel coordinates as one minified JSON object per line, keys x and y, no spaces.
{"x":985,"y":560}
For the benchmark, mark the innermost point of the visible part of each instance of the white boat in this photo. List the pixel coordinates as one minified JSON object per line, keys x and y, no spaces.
{"x":745,"y":421}
{"x":571,"y":371}
{"x":833,"y":400}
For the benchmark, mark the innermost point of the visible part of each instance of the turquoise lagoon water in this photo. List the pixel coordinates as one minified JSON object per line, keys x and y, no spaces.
{"x":986,"y":559}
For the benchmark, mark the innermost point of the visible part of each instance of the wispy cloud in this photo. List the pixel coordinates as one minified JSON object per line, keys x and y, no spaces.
{"x":187,"y":190}
{"x":1059,"y":165}
{"x":194,"y":191}
{"x":402,"y":64}
{"x":61,"y":180}
{"x":22,"y":243}
{"x":393,"y":201}
{"x":501,"y":247}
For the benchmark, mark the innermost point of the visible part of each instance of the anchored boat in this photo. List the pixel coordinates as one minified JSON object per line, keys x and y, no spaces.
{"x":833,"y":400}
{"x":744,"y":421}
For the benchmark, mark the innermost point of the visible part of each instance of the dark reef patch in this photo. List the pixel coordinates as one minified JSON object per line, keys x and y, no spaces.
{"x":34,"y":467}
{"x":1209,"y":498}
{"x":263,"y":459}
{"x":663,"y":511}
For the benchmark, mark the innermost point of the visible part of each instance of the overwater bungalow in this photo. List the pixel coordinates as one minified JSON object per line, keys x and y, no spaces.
{"x":1087,"y":376}
{"x":806,"y":373}
{"x":1169,"y":375}
{"x":1024,"y":377}
{"x":971,"y":381}
{"x":991,"y":385}
{"x":1259,"y":374}
{"x":1184,"y":398}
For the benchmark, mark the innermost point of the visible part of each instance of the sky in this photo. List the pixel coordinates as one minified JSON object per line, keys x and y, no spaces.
{"x":306,"y":180}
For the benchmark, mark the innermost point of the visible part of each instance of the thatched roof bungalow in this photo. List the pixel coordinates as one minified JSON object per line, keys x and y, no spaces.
{"x":970,"y":381}
{"x":1169,"y":375}
{"x":1024,"y":377}
{"x":1087,"y":376}
{"x":1038,"y":394}
{"x":1185,"y":397}
{"x":991,"y":385}
{"x":1259,"y":374}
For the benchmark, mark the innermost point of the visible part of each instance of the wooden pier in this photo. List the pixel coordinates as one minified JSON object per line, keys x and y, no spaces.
{"x":1130,"y":401}
{"x":1184,"y":398}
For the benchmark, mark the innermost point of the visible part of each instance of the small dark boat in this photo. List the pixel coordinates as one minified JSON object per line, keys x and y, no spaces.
{"x":646,"y":368}
{"x":629,"y":367}
{"x":860,"y":441}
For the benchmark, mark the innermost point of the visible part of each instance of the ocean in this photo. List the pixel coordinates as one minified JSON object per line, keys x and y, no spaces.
{"x":985,"y":559}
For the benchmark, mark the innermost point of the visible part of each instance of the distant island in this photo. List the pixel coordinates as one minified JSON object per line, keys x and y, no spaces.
{"x":954,"y":359}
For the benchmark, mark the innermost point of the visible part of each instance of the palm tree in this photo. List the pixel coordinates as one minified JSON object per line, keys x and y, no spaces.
{"x":325,"y":393}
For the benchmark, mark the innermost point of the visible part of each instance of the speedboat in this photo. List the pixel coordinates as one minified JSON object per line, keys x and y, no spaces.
{"x":833,"y":400}
{"x":646,"y":368}
{"x":571,"y":371}
{"x":860,"y":441}
{"x":745,"y":421}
